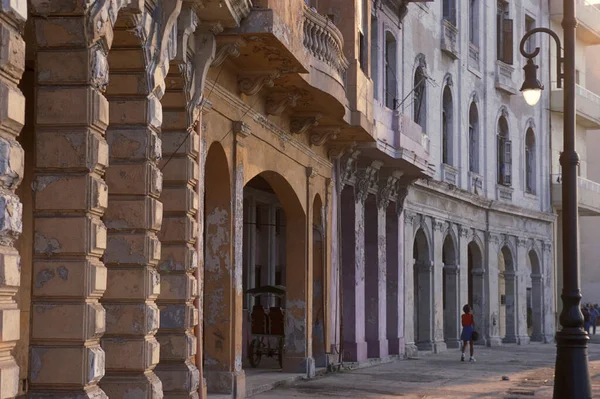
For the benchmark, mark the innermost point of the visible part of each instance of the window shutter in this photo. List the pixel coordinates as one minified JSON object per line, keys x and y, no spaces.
{"x":500,"y":159}
{"x":528,"y":168}
{"x":508,"y":41}
{"x":507,"y":163}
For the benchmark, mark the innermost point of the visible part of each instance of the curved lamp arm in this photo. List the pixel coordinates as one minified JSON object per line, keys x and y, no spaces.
{"x":559,"y":57}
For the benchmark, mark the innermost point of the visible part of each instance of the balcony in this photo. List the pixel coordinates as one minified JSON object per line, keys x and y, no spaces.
{"x":588,"y":16}
{"x":504,"y":78}
{"x":228,"y":13}
{"x":402,"y":143}
{"x":587,"y":103}
{"x":449,"y":39}
{"x":588,"y":195}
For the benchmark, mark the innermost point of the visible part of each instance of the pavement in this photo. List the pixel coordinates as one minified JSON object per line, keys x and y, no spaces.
{"x":508,"y":372}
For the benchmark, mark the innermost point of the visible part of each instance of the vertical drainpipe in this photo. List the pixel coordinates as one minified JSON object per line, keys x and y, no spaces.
{"x":199,"y":250}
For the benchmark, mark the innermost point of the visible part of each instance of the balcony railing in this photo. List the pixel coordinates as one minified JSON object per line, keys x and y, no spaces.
{"x":324,"y":41}
{"x":504,"y":78}
{"x":588,"y":18}
{"x":588,"y":195}
{"x":587,"y":103}
{"x":449,"y":38}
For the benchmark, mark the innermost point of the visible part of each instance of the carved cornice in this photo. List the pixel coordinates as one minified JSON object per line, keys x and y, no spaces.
{"x":320,"y":135}
{"x":401,"y":195}
{"x":388,"y":189}
{"x":300,"y":124}
{"x":227,"y":47}
{"x":241,"y":129}
{"x":277,"y":102}
{"x":522,"y":242}
{"x":252,"y":84}
{"x":337,"y":150}
{"x":366,"y":180}
{"x":437,"y":224}
{"x":348,"y":167}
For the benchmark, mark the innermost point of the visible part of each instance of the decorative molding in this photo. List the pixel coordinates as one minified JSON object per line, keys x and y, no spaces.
{"x":522,"y":242}
{"x":206,"y":106}
{"x":311,"y":172}
{"x":388,"y":189}
{"x":320,"y":135}
{"x":437,"y":224}
{"x":277,"y":102}
{"x":348,"y":167}
{"x":547,"y":246}
{"x":491,"y":237}
{"x":530,"y":124}
{"x":401,"y":195}
{"x":463,"y":231}
{"x":366,"y":180}
{"x":253,"y":83}
{"x":227,"y":47}
{"x":409,"y":218}
{"x":300,"y":124}
{"x":241,"y":129}
{"x":339,"y":149}
{"x":448,"y":80}
{"x":504,"y":111}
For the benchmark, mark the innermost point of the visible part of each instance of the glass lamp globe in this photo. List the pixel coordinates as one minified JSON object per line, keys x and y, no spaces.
{"x":532,"y":96}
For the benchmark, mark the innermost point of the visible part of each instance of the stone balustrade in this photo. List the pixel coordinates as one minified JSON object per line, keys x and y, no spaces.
{"x":324,"y":41}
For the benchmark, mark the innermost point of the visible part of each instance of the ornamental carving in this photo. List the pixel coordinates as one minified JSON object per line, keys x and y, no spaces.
{"x":438,"y":225}
{"x":227,"y":48}
{"x":241,"y":129}
{"x":463,"y":231}
{"x":320,"y":135}
{"x":522,"y":242}
{"x":300,"y":124}
{"x":339,"y":149}
{"x":388,"y":189}
{"x":252,"y":84}
{"x":401,"y":195}
{"x":348,"y":167}
{"x":409,"y":218}
{"x":277,"y":102}
{"x":366,"y":180}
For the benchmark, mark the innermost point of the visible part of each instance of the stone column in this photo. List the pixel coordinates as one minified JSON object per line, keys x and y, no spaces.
{"x":67,"y":319}
{"x":250,"y":243}
{"x":521,"y":292}
{"x":492,"y":327}
{"x":375,"y":278}
{"x":12,"y":118}
{"x":510,"y":279}
{"x":463,"y":279}
{"x":424,"y":309}
{"x":394,"y":281}
{"x":437,"y":287}
{"x":272,"y":248}
{"x":409,"y":287}
{"x":548,"y":316}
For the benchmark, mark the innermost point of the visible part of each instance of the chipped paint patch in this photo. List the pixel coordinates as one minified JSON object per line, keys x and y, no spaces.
{"x":46,"y":245}
{"x":63,"y":273}
{"x":43,"y":277}
{"x":239,"y":229}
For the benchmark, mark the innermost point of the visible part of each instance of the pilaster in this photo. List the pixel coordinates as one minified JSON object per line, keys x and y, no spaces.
{"x":491,"y":323}
{"x":548,"y":316}
{"x":12,"y":118}
{"x":409,"y":286}
{"x":521,"y":292}
{"x":395,"y":280}
{"x":437,"y":286}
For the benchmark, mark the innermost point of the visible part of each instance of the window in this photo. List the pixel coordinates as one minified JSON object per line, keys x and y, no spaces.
{"x":447,"y":127}
{"x":420,"y":97}
{"x":363,"y":39}
{"x":375,"y":56}
{"x":504,"y":154}
{"x":530,"y":25}
{"x":391,"y":65}
{"x":530,"y":162}
{"x":473,"y":22}
{"x":449,"y":11}
{"x":473,"y":139}
{"x":504,"y":34}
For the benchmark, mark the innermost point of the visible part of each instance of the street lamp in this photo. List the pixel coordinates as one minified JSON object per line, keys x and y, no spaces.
{"x":572,"y":377}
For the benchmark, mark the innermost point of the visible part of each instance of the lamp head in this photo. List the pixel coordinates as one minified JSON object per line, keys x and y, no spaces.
{"x":532,"y":87}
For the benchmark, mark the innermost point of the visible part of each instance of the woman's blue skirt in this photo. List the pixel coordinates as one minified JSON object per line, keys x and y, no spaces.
{"x":467,"y":333}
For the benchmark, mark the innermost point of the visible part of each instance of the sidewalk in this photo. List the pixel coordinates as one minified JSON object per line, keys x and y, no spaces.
{"x":530,"y":369}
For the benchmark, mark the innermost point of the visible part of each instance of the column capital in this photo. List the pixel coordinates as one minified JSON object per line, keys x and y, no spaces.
{"x":348,"y":167}
{"x":424,"y":266}
{"x":388,"y":189}
{"x":366,"y":180}
{"x":478,"y":272}
{"x":437,"y":224}
{"x":401,"y":195}
{"x":451,"y":269}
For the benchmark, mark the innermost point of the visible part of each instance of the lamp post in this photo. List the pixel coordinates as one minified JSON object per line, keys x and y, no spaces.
{"x":572,"y":378}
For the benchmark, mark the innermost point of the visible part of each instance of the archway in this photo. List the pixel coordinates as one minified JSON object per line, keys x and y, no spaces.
{"x":475,"y":283}
{"x":450,"y":292}
{"x":506,"y":296}
{"x":534,"y":297}
{"x":272,"y":213}
{"x":423,"y":290}
{"x":218,"y":307}
{"x":318,"y":288}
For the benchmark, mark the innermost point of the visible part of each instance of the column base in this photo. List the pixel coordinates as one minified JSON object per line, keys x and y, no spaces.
{"x":95,"y":393}
{"x":355,"y":351}
{"x":305,"y":365}
{"x":229,"y":382}
{"x":411,"y":350}
{"x":523,"y":339}
{"x":179,"y":379}
{"x":510,"y":339}
{"x":537,"y":338}
{"x":147,"y":386}
{"x":439,"y":346}
{"x":494,"y":341}
{"x":425,"y":346}
{"x":377,"y":349}
{"x":396,"y":346}
{"x":549,"y":339}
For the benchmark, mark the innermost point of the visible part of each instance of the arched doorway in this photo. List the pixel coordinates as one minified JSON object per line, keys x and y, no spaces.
{"x":218,"y":305}
{"x":534,"y":298}
{"x":423,"y":290}
{"x":506,"y":296}
{"x":318,"y":288}
{"x":475,"y":282}
{"x":450,"y":292}
{"x":272,"y":213}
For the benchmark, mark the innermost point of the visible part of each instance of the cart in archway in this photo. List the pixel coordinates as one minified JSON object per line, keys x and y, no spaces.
{"x":266,"y":327}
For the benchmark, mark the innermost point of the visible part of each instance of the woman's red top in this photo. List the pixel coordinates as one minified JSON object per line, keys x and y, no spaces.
{"x":467,"y":320}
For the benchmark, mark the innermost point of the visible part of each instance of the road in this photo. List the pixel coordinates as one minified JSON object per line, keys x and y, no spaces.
{"x":529,"y":369}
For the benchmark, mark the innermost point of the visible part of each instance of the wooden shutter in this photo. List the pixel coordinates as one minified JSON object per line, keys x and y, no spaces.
{"x":507,"y":41}
{"x":507,"y":162}
{"x":500,"y":159}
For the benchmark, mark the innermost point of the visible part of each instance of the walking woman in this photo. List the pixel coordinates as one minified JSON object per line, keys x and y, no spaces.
{"x":468,"y":323}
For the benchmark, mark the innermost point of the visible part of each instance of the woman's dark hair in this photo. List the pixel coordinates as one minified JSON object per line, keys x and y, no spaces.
{"x":466,"y":308}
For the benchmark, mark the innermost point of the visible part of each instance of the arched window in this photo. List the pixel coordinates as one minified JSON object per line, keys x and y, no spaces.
{"x":447,"y":127}
{"x":375,"y":55}
{"x":473,"y":22}
{"x":420,"y":102}
{"x":449,"y":7}
{"x":391,"y":65}
{"x":530,"y":162}
{"x":504,"y":153}
{"x":473,"y":139}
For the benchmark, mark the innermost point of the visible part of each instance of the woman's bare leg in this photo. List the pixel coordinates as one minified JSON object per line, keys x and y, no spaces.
{"x":471,"y":347}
